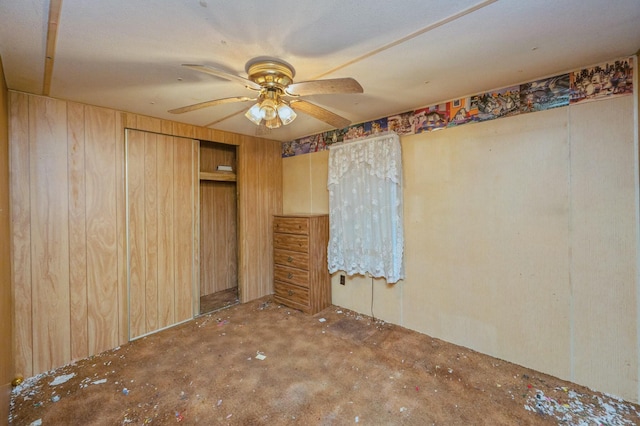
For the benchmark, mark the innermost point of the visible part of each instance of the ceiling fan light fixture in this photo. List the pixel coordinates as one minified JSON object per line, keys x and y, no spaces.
{"x":254,"y":114}
{"x":272,"y":109}
{"x":286,"y":113}
{"x":273,"y":123}
{"x":268,"y":109}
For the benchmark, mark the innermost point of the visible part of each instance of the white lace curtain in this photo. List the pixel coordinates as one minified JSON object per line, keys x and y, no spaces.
{"x":365,"y":208}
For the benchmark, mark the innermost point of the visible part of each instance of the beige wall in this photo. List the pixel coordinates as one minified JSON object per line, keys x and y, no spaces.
{"x":520,"y":240}
{"x":304,"y":184}
{"x":6,"y":353}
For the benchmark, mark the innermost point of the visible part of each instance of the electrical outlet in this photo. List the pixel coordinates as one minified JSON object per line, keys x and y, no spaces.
{"x":342,"y":279}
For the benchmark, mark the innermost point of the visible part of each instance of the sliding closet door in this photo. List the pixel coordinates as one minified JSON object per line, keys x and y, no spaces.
{"x":161,"y":213}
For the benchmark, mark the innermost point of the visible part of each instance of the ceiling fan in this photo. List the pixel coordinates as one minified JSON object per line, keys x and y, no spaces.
{"x":278,"y":96}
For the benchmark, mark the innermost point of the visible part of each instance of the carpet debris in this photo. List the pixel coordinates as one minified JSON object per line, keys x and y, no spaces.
{"x":62,"y":379}
{"x":573,"y":408}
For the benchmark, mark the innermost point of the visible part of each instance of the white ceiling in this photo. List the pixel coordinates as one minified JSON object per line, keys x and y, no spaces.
{"x":127,"y":55}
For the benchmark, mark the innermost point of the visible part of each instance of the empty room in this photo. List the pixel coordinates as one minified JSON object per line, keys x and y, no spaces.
{"x":338,"y":212}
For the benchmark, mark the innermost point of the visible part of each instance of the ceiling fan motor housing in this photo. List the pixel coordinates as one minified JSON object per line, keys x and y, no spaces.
{"x":271,"y":74}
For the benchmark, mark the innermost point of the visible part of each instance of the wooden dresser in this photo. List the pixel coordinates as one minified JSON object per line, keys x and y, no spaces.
{"x":301,"y":277}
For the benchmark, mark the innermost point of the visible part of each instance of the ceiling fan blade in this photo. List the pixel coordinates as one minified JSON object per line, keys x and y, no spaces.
{"x":210,"y":103}
{"x":324,"y":87}
{"x":224,"y":118}
{"x":320,"y":113}
{"x":223,"y":74}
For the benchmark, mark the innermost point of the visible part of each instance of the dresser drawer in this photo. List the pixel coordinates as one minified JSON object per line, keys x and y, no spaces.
{"x":291,"y":258}
{"x":299,"y":243}
{"x":291,"y":225}
{"x":291,"y":275}
{"x":290,"y":294}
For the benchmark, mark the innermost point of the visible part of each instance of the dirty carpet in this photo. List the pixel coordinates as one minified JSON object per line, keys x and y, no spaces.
{"x":261,"y":363}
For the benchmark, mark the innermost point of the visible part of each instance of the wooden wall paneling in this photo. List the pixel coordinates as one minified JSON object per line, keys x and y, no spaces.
{"x":265,"y":286}
{"x":236,"y":139}
{"x":207,"y":249}
{"x":229,"y":229}
{"x":20,"y":233}
{"x":214,"y":154}
{"x":203,"y":134}
{"x":148,"y":124}
{"x":227,"y":138}
{"x":105,"y":199}
{"x":122,"y":122}
{"x":49,"y":233}
{"x":274,"y":199}
{"x":241,"y":238}
{"x":166,"y":242}
{"x":6,"y":320}
{"x":102,"y":248}
{"x":183,"y":229}
{"x":167,"y":127}
{"x":261,"y":222}
{"x":195,"y":182}
{"x":77,"y":231}
{"x":274,"y":203}
{"x":183,"y":130}
{"x":211,"y":242}
{"x":127,"y":121}
{"x":136,"y":232}
{"x":218,"y":230}
{"x":151,"y":231}
{"x":245,"y":187}
{"x":206,"y":157}
{"x":260,"y":197}
{"x":218,"y":136}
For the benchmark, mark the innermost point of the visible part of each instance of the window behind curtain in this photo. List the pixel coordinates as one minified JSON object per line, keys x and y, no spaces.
{"x":365,"y":208}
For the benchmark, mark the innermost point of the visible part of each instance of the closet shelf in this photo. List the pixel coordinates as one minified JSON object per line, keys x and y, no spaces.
{"x":219,"y":176}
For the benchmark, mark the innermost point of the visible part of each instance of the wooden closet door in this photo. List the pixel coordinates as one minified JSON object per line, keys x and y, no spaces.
{"x":161,"y":223}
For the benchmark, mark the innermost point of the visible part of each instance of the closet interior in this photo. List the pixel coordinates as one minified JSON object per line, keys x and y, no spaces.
{"x":218,"y":226}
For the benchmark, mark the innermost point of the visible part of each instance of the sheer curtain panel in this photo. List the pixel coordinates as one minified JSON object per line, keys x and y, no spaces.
{"x":365,"y":208}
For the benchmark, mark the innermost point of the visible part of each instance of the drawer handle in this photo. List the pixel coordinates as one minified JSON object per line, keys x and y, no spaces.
{"x":290,"y":275}
{"x":290,"y":293}
{"x":289,"y":259}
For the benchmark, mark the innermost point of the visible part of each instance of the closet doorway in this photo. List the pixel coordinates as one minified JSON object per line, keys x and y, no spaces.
{"x":218,"y":227}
